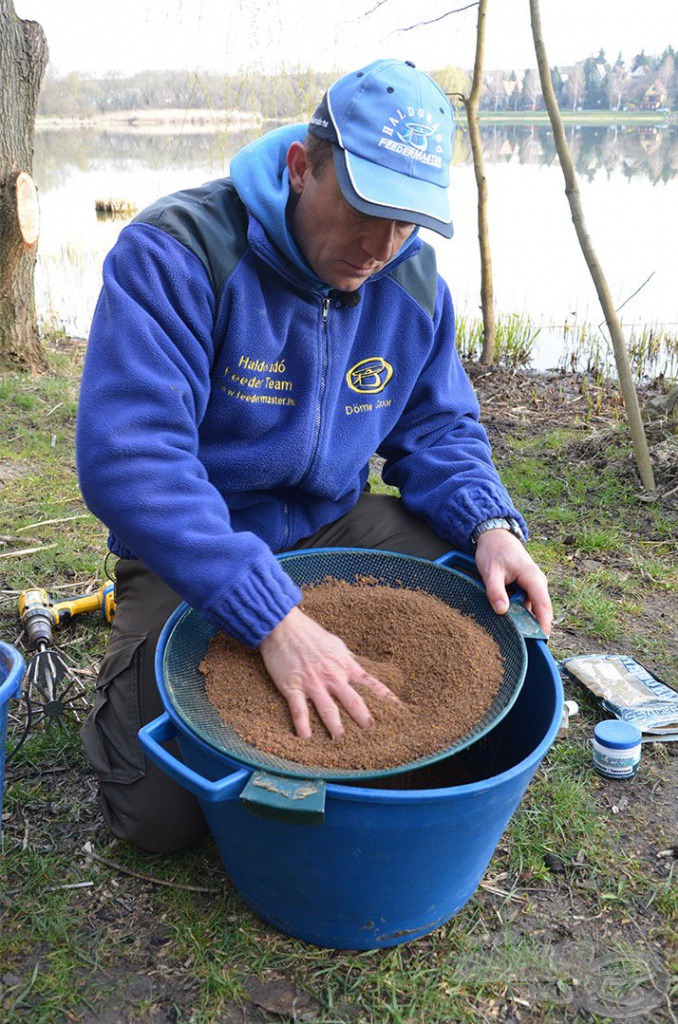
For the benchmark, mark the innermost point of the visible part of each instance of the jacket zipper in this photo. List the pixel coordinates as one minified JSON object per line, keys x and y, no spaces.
{"x":326,"y":302}
{"x":286,"y":526}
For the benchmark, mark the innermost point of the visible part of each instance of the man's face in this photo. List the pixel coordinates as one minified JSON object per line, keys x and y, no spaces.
{"x":343,"y":246}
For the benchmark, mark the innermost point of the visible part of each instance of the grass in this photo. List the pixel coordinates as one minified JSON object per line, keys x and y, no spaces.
{"x":591,"y":515}
{"x":139,"y":941}
{"x":515,"y":339}
{"x":652,"y":348}
{"x":114,"y":207}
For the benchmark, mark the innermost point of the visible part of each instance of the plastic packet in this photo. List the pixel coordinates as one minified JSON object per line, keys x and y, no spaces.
{"x":625,"y":688}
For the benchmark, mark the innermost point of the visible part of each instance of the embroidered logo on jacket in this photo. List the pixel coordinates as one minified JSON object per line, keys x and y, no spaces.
{"x":369,"y":376}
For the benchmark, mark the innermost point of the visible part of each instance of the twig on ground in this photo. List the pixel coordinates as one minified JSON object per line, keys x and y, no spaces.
{"x":26,"y":551}
{"x":501,"y":892}
{"x":51,"y":522}
{"x":71,"y":885}
{"x":144,"y":877}
{"x":24,"y":843}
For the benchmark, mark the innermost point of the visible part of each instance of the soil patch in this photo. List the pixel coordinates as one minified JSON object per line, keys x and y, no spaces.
{"x":442,"y":665}
{"x":10,"y":471}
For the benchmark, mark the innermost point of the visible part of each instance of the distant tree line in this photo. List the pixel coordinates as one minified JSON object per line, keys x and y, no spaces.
{"x":270,"y":97}
{"x":644,"y":83}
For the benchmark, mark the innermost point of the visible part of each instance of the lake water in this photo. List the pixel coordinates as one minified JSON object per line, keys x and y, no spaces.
{"x":628,"y":181}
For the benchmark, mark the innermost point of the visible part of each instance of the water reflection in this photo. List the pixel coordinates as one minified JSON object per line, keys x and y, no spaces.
{"x":60,"y":153}
{"x":650,"y":151}
{"x":539,"y":270}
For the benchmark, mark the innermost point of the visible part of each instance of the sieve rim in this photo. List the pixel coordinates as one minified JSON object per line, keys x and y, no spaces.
{"x":226,"y":737}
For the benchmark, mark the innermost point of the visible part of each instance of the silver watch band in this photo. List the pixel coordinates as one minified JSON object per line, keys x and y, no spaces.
{"x":498,"y":523}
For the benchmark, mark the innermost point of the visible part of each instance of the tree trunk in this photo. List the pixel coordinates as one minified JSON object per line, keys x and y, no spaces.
{"x":471,"y":107}
{"x":23,"y":58}
{"x":621,"y":355}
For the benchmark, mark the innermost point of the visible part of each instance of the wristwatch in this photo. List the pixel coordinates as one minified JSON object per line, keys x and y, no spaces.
{"x":498,"y":523}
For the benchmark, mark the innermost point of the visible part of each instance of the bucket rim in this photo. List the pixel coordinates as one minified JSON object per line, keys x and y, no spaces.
{"x":12,"y":664}
{"x":291,"y":769}
{"x":367,"y":794}
{"x":468,"y":788}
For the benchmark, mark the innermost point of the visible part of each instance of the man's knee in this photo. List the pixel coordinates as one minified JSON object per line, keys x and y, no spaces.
{"x":155,"y":813}
{"x":140,"y":802}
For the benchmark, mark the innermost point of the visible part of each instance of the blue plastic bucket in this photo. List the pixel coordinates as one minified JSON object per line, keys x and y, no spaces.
{"x":11,"y":673}
{"x":386,"y":865}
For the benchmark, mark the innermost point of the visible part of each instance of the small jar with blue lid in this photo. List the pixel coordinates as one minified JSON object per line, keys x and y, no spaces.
{"x":616,"y":747}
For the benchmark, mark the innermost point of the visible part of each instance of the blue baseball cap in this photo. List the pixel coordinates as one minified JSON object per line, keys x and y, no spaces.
{"x":392,"y":128}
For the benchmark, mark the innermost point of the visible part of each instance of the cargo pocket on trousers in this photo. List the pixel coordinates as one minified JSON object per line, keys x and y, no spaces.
{"x":109,"y":735}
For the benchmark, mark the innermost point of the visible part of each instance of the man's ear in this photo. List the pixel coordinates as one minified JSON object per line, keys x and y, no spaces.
{"x":297,"y":166}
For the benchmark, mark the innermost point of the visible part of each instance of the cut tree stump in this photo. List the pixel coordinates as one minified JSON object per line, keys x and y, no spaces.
{"x":27,"y":208}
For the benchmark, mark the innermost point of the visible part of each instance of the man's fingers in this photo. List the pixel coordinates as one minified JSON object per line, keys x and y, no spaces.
{"x":329,"y":713}
{"x":352,"y":703}
{"x":538,"y":601}
{"x":542,"y":610}
{"x":306,"y":663}
{"x":328,"y":696}
{"x":496,"y":593}
{"x":502,"y":559}
{"x":296,"y":701}
{"x":378,"y":688}
{"x":341,"y":695}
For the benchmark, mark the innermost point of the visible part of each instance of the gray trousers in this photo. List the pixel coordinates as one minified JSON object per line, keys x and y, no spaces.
{"x":140,"y":803}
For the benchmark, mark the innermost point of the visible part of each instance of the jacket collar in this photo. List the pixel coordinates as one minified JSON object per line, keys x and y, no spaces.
{"x":268,"y":251}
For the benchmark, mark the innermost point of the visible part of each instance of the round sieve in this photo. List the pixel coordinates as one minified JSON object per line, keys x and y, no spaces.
{"x":186,"y":636}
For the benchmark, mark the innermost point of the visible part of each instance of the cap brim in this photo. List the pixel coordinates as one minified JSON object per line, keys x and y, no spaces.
{"x":381,"y":192}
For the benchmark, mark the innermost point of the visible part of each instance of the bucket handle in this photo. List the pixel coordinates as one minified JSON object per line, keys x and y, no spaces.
{"x":162,"y":729}
{"x":298,"y":801}
{"x":524,"y":621}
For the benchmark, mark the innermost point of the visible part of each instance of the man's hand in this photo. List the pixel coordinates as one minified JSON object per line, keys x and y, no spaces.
{"x":502,"y":559}
{"x":307,"y":663}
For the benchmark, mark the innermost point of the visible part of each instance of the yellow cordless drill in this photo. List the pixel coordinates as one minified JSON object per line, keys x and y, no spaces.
{"x":50,"y":684}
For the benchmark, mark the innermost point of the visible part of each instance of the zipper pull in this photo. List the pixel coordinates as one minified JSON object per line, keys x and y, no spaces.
{"x":326,"y":308}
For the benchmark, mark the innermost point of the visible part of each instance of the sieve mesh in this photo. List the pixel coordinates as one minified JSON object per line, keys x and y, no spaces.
{"x":187,"y":634}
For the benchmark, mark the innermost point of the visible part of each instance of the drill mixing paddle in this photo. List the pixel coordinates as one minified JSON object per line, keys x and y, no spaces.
{"x":51,"y":687}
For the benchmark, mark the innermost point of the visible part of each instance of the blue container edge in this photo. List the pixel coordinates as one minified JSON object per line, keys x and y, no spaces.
{"x":363,"y":794}
{"x":12,"y":661}
{"x":11,"y":686}
{"x":344,"y":790}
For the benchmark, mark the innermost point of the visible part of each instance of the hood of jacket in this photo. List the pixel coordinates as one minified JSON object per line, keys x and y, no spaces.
{"x":259,"y":173}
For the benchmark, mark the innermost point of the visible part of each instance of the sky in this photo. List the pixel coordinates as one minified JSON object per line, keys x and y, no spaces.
{"x":97,"y":36}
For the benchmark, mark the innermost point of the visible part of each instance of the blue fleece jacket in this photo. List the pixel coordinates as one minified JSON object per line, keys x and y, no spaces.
{"x":230,"y":403}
